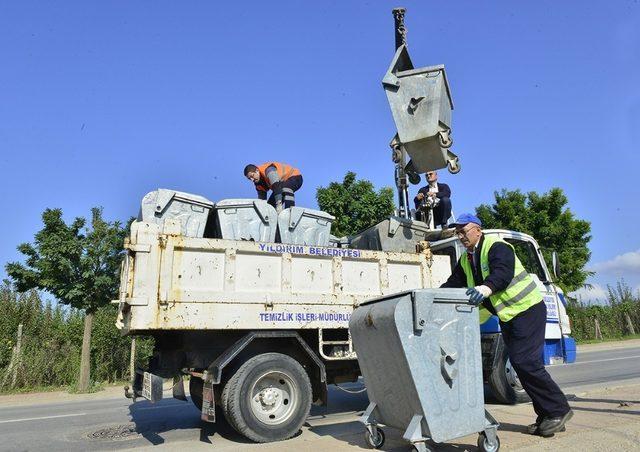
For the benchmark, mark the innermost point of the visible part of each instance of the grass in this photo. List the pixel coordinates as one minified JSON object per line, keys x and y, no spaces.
{"x":71,"y":389}
{"x":609,"y":339}
{"x":29,"y":389}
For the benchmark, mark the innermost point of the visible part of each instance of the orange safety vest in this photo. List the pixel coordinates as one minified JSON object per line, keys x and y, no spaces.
{"x":284,"y":171}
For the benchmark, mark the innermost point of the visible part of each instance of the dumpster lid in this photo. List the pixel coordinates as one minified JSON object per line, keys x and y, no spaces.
{"x":165,"y":196}
{"x":401,"y":66}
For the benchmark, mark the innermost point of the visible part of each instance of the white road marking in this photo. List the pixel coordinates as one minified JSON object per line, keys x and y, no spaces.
{"x":173,"y":405}
{"x":603,"y":360}
{"x":41,"y":418}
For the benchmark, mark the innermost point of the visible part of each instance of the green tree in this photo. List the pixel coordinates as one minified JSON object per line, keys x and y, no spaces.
{"x":553,"y":225}
{"x":355,"y":204}
{"x":76,"y":264}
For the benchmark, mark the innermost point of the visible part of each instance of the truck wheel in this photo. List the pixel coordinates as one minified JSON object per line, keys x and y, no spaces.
{"x":504,"y":382}
{"x":268,"y":398}
{"x":195,"y":390}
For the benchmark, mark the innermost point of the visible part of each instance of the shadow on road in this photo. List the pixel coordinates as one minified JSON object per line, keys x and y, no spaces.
{"x":341,"y":402}
{"x":152,"y":421}
{"x":617,"y":406}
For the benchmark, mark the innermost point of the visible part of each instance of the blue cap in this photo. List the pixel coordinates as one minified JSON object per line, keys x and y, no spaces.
{"x":466,"y":218}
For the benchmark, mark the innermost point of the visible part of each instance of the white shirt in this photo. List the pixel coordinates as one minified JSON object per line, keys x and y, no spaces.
{"x":433,"y":188}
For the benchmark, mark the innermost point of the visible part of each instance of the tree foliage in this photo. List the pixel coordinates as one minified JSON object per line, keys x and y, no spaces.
{"x":76,"y":264}
{"x":553,"y":225}
{"x":355,"y":204}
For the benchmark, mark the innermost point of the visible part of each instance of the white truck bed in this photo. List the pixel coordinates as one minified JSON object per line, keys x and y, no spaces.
{"x":172,"y":282}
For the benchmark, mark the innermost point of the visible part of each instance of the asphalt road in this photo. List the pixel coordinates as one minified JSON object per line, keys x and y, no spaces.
{"x":114,"y":423}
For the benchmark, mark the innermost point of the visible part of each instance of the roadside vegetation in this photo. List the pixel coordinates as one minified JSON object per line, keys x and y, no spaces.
{"x":617,"y":317}
{"x":51,"y":344}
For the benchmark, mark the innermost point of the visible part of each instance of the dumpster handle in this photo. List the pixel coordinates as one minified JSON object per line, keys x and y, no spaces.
{"x":447,"y":301}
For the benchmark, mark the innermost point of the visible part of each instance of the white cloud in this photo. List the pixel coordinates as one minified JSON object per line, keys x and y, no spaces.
{"x":595,"y":295}
{"x":619,"y":265}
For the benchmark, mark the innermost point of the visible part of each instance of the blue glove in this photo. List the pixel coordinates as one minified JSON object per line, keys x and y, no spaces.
{"x":476,"y":294}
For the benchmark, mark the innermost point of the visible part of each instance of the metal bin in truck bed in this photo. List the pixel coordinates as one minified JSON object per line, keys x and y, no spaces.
{"x":192,"y":211}
{"x":246,"y":219}
{"x":396,"y":234}
{"x":302,"y":226}
{"x":419,"y":353}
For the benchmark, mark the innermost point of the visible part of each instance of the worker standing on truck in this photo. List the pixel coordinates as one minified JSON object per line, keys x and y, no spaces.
{"x":437,"y":197}
{"x":499,"y":285}
{"x":282,"y":179}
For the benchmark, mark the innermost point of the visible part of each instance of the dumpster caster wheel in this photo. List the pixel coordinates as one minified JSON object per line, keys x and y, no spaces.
{"x":376,"y":441}
{"x":445,"y":140}
{"x":484,"y":446}
{"x":453,"y":166}
{"x":414,"y":178}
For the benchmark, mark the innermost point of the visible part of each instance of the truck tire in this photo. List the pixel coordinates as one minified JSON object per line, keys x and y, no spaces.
{"x":195,"y":390}
{"x":504,"y":381}
{"x":268,"y":398}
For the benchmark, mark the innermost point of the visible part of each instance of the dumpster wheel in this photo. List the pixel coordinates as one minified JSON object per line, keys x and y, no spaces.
{"x":485,"y":446}
{"x":445,"y":139}
{"x":453,"y":166}
{"x":376,"y":441}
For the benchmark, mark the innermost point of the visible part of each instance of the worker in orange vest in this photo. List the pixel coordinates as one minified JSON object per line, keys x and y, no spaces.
{"x":282,"y":179}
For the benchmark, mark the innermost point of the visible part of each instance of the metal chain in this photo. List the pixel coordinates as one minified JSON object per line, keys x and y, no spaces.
{"x":402,"y":30}
{"x":350,"y":391}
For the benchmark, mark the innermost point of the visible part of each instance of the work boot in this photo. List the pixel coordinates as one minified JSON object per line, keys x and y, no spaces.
{"x":551,"y":425}
{"x":532,"y":429}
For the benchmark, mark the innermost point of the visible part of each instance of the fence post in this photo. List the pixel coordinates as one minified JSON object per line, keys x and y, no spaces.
{"x":630,"y":328}
{"x":18,"y":359}
{"x":14,"y":363}
{"x":598,"y":332}
{"x":132,"y":361}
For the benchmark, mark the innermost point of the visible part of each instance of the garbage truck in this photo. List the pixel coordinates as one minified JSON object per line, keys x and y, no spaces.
{"x":260,"y":328}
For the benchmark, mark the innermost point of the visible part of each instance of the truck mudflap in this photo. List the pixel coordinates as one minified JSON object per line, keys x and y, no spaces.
{"x":146,"y":385}
{"x":208,"y":413}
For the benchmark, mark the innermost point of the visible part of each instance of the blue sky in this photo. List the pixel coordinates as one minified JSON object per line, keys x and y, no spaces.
{"x":102,"y":102}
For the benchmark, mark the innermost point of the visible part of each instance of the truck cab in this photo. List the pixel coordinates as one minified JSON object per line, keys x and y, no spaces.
{"x":559,"y":345}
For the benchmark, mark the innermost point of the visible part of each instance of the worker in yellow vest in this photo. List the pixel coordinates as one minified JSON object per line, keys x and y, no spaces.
{"x":499,"y":285}
{"x":282,"y":179}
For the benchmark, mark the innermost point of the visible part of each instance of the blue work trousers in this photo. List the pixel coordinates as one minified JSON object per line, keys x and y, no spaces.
{"x":524,"y":338}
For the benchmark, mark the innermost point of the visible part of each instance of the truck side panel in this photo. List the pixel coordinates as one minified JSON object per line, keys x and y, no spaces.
{"x":211,"y":284}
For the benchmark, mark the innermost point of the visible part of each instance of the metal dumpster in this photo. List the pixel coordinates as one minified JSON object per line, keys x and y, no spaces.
{"x":421,"y":104}
{"x":339,"y":242}
{"x":191,"y":210}
{"x":420,"y":357}
{"x":396,"y":234}
{"x":302,"y":226}
{"x":246,"y":219}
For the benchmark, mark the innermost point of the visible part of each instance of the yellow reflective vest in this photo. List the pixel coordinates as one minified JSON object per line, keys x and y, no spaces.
{"x":521,"y":293}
